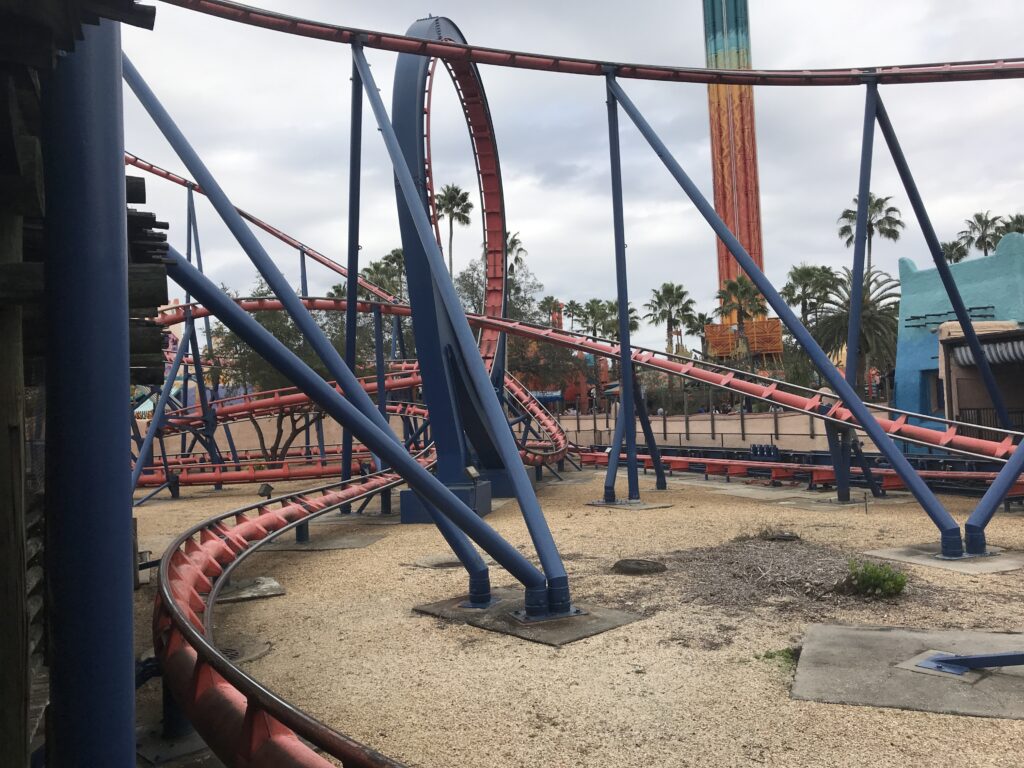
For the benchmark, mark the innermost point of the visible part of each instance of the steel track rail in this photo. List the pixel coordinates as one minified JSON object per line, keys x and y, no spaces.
{"x":241,"y":720}
{"x":985,"y":69}
{"x":747,"y":384}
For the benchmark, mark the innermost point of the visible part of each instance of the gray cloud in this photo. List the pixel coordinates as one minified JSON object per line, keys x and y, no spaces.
{"x":269,"y":114}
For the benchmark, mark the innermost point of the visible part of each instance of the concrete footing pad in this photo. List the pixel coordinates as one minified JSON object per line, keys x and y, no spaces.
{"x":499,"y":618}
{"x":626,"y":504}
{"x":874,"y":666}
{"x":997,"y":561}
{"x":250,"y":589}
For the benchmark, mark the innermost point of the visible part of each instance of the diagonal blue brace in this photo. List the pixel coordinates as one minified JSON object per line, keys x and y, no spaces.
{"x":381,"y":441}
{"x":961,"y":665}
{"x":949,"y":530}
{"x":963,"y":316}
{"x":354,"y":393}
{"x":464,"y":397}
{"x":161,"y":405}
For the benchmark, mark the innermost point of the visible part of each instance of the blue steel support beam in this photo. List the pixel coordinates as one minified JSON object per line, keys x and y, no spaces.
{"x":626,"y":401}
{"x":860,"y":236}
{"x":465,"y":352}
{"x":91,"y":717}
{"x":209,"y":428}
{"x":841,"y":455}
{"x":613,"y":457}
{"x":161,"y":405}
{"x":194,"y":237}
{"x":311,"y":332}
{"x":952,"y":544}
{"x":974,"y":528}
{"x":250,"y":244}
{"x":378,"y":351}
{"x":652,"y":442}
{"x":352,"y":283}
{"x":382,"y":442}
{"x":455,"y":514}
{"x":945,"y":274}
{"x":959,"y":665}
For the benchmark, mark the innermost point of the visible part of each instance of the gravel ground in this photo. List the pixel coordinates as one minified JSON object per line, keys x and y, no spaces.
{"x":699,"y":680}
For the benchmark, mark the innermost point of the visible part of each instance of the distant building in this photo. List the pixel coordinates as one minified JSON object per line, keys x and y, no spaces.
{"x":948,"y":384}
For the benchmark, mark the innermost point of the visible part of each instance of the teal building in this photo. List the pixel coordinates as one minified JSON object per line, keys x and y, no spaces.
{"x":992,"y":288}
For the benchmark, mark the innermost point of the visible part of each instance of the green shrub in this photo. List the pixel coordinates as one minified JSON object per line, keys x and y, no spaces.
{"x":875,"y":579}
{"x":786,"y":658}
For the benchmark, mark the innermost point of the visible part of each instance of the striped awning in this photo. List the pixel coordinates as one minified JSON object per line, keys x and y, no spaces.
{"x":996,"y":352}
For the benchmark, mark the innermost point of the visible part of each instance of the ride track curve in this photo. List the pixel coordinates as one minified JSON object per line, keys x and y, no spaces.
{"x":762,"y":388}
{"x":245,"y":723}
{"x":740,"y":382}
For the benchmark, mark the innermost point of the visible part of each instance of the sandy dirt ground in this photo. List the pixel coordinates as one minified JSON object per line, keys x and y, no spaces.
{"x":696,"y":681}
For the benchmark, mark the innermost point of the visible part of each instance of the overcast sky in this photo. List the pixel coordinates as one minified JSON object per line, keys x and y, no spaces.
{"x":268,"y":113}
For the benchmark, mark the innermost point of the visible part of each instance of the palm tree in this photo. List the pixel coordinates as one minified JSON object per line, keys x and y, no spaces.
{"x":954,"y":251}
{"x":549,"y":305}
{"x":740,"y":297}
{"x":1012,"y":223}
{"x":594,"y":316}
{"x":610,"y":326}
{"x":454,"y":203}
{"x":387,"y":272}
{"x":807,"y":287}
{"x":696,"y":325}
{"x":884,"y":220}
{"x":514,"y":251}
{"x":573,"y":310}
{"x":982,"y":232}
{"x":671,"y":304}
{"x":879,"y":322}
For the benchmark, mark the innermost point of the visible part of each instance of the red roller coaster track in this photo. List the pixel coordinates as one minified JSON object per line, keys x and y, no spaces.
{"x":247,"y":724}
{"x":990,"y":69}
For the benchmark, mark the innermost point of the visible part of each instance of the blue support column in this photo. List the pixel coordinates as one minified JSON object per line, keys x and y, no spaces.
{"x":952,"y":544}
{"x":860,"y":235}
{"x":161,"y":405}
{"x":613,"y":457}
{"x":945,"y":274}
{"x":354,"y":393}
{"x":352,"y":283}
{"x":627,"y":414}
{"x":454,"y":352}
{"x":839,"y":437}
{"x":974,"y":529}
{"x":251,"y":245}
{"x":652,"y":442}
{"x":89,"y":570}
{"x":378,"y":349}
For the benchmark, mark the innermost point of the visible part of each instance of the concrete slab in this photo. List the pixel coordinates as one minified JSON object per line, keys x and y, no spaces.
{"x":1000,"y":560}
{"x":442,"y":561}
{"x":866,"y":666}
{"x":627,"y":504}
{"x":500,"y":617}
{"x":325,"y":540}
{"x":250,"y":589}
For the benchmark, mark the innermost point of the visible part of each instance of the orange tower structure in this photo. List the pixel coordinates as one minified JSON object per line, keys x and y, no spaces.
{"x":733,"y":141}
